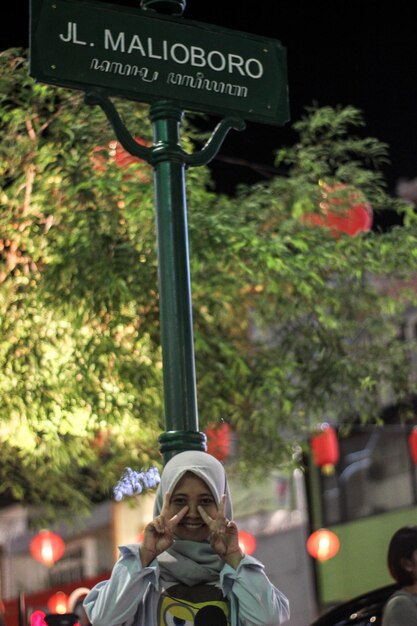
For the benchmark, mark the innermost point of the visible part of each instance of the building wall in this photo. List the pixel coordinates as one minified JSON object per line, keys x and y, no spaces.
{"x":289,"y":567}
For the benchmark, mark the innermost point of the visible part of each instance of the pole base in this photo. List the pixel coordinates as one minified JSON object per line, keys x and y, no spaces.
{"x":174,"y":441}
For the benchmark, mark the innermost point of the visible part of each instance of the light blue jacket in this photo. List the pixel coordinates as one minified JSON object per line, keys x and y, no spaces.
{"x":130,"y":597}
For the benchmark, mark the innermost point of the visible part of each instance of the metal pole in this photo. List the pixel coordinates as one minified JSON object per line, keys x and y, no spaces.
{"x":181,"y":414}
{"x":180,"y":396}
{"x":21,"y":608}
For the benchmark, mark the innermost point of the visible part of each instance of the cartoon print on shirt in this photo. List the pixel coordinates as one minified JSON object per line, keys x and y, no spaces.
{"x":201,"y":605}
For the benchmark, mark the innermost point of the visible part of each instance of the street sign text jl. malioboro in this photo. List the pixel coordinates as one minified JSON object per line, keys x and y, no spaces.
{"x":144,"y":56}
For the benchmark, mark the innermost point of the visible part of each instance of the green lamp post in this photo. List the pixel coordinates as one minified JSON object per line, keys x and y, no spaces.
{"x":181,"y":412}
{"x":180,"y":397}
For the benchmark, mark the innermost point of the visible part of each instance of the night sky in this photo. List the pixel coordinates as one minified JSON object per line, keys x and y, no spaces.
{"x":345,"y":52}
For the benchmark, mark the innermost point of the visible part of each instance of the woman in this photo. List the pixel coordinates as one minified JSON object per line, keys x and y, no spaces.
{"x":189,"y":569}
{"x":401,"y":608}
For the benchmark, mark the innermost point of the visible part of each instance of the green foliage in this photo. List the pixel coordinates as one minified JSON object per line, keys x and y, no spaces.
{"x":292,"y":325}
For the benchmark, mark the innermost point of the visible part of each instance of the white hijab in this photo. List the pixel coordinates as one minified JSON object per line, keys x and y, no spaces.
{"x":192,"y":562}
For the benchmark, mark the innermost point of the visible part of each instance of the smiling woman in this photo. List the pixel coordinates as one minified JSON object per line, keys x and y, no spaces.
{"x":189,"y":568}
{"x":192,"y":494}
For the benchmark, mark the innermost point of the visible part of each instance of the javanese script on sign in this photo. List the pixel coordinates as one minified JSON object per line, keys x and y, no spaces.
{"x":146,"y":57}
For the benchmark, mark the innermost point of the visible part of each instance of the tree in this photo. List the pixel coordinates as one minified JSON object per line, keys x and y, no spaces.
{"x":291,"y":325}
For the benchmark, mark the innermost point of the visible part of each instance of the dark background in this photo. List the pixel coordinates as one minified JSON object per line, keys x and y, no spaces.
{"x":345,"y":52}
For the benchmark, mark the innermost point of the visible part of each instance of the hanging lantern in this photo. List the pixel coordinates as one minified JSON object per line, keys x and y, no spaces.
{"x":58,"y":603}
{"x":114,"y":152}
{"x":412,"y":444}
{"x":343,"y":209}
{"x":47,"y":547}
{"x":325,"y":448}
{"x":323,"y":544}
{"x":121,"y":156}
{"x":219,"y":440}
{"x":247,"y":542}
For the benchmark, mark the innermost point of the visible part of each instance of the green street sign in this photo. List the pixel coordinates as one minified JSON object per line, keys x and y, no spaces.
{"x":144,"y":56}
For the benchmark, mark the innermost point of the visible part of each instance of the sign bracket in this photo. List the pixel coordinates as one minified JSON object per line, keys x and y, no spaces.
{"x":152,"y":155}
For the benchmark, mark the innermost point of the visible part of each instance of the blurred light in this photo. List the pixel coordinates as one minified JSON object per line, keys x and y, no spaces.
{"x":47,"y":547}
{"x":58,"y":603}
{"x":412,"y":443}
{"x":219,"y":440}
{"x":247,"y":542}
{"x":37,"y":618}
{"x":323,"y":544}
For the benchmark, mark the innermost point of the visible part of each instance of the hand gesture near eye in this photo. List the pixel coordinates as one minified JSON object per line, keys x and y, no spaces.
{"x":159,"y":533}
{"x":223,"y":535}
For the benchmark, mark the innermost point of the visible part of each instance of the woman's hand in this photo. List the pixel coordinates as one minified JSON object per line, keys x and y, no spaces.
{"x":159,"y":533}
{"x":223,"y":535}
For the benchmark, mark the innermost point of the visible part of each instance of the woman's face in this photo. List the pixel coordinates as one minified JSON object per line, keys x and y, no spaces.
{"x":410,"y":565}
{"x":193,"y":492}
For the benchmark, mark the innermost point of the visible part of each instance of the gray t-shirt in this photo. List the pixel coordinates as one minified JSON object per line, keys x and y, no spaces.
{"x":401,"y":609}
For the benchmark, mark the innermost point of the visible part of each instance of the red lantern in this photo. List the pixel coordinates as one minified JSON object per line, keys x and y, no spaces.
{"x":122,"y":158}
{"x":47,"y":547}
{"x":323,"y":544}
{"x":219,"y":440}
{"x":325,"y":448}
{"x":247,"y":542}
{"x":58,"y":603}
{"x":412,"y":444}
{"x":343,"y":210}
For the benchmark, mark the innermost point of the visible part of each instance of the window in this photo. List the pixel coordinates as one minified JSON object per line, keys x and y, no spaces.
{"x":375,"y":474}
{"x":69,"y":568}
